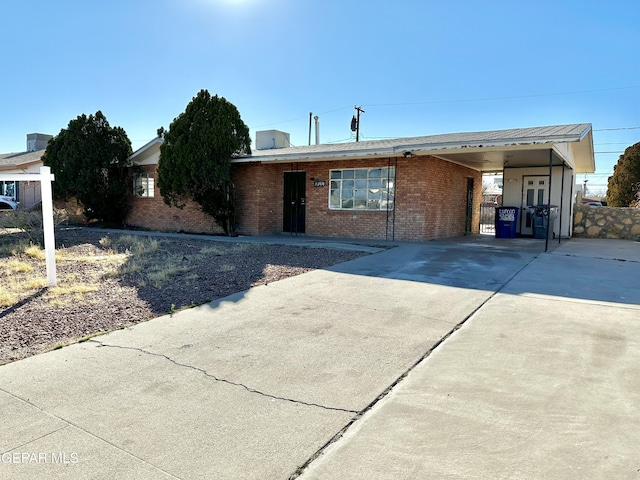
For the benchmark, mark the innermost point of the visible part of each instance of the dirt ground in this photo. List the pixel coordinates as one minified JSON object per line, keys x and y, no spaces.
{"x":108,"y":281}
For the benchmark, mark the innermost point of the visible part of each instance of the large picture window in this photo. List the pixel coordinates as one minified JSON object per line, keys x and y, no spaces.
{"x":143,"y":185}
{"x":362,"y":189}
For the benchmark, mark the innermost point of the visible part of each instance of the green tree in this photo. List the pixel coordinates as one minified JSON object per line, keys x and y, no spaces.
{"x":195,"y":158}
{"x":90,"y":160}
{"x":623,"y":184}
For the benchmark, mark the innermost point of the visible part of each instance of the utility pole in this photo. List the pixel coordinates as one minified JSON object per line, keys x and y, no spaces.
{"x":355,"y":122}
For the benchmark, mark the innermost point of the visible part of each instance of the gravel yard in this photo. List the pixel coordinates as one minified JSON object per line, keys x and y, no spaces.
{"x":108,"y":281}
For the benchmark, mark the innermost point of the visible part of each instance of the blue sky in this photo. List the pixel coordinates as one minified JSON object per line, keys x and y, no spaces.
{"x":417,"y":67}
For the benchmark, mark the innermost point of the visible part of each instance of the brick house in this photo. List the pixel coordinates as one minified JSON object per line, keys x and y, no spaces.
{"x":411,"y":189}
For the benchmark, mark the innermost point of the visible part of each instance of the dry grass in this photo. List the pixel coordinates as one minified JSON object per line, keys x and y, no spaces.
{"x":66,"y":293}
{"x":224,"y":249}
{"x":125,"y":257}
{"x":18,"y":280}
{"x":17,"y":266}
{"x":134,"y":245}
{"x":110,"y":281}
{"x":18,"y":288}
{"x":35,"y":251}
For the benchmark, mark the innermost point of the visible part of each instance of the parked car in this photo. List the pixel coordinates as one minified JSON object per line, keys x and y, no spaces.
{"x":7,"y":203}
{"x":594,"y":204}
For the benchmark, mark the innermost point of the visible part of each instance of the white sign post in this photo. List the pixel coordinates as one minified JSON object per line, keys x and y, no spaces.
{"x":45,"y":177}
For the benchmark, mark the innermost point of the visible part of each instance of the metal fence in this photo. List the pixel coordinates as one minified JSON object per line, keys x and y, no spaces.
{"x":488,"y":218}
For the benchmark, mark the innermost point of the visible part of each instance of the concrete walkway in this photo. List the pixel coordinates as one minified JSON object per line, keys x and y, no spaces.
{"x":471,"y":358}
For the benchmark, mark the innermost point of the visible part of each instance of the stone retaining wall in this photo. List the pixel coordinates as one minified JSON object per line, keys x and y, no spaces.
{"x":606,"y":222}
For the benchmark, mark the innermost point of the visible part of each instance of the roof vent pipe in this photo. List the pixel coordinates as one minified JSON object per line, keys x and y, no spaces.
{"x":317,"y":119}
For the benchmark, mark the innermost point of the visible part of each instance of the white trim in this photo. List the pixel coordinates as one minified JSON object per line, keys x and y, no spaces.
{"x":145,"y":147}
{"x":26,"y":177}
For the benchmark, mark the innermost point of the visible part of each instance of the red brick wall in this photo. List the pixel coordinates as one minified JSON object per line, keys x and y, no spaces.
{"x":430,"y":202}
{"x":260,"y":191}
{"x":153,"y":214}
{"x":343,"y":223}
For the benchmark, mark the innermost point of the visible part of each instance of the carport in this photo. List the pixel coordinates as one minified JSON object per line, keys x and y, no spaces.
{"x":539,"y":165}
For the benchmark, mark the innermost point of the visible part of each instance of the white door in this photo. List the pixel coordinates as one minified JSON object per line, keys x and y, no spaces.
{"x":535,"y":191}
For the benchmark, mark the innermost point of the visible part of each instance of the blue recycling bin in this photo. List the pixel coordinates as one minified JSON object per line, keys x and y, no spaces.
{"x":506,"y":222}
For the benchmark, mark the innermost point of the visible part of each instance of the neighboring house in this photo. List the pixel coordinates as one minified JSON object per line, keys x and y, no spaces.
{"x":27,"y":194}
{"x":492,"y":190}
{"x":410,"y":189}
{"x":592,"y":201}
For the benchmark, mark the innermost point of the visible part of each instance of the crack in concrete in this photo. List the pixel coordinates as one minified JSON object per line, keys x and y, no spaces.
{"x":35,"y":439}
{"x":223,"y":380}
{"x":572,"y":255}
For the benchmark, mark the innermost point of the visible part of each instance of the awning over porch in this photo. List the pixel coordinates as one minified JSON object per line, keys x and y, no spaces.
{"x":571,"y":146}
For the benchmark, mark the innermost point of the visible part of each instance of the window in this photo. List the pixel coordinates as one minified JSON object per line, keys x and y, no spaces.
{"x":362,"y":189}
{"x":143,"y":185}
{"x":9,"y":189}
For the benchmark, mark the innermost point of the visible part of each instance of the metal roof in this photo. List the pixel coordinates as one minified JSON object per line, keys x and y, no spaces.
{"x":484,"y":151}
{"x":515,"y":136}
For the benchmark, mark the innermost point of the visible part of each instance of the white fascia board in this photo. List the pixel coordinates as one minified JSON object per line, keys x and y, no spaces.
{"x":426,"y":148}
{"x":536,"y":143}
{"x":144,"y":148}
{"x":584,"y":149}
{"x":317,"y":156}
{"x":586,"y":131}
{"x":563,"y":151}
{"x":24,"y":177}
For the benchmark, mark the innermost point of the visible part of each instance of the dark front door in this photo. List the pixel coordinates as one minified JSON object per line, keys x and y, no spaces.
{"x":469,"y":218}
{"x":294,"y":202}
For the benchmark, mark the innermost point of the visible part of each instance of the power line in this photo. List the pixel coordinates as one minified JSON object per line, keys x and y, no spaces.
{"x":339,"y":141}
{"x":469,"y":100}
{"x":299,"y":118}
{"x":502,"y":98}
{"x":613,"y":129}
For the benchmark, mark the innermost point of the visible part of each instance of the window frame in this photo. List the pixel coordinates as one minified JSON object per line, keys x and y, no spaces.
{"x":3,"y":188}
{"x":141,"y":188}
{"x":362,"y":183}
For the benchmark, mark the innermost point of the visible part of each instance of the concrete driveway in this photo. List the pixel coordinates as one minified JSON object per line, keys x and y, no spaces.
{"x":472,"y":358}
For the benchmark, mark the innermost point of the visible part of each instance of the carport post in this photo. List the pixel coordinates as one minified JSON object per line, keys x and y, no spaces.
{"x":546,"y":240}
{"x":561,"y":204}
